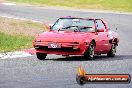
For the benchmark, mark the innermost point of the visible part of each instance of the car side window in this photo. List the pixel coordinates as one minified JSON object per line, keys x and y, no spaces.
{"x":100,"y":25}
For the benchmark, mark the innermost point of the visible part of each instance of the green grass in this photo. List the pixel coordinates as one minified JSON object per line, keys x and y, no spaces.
{"x":17,"y":34}
{"x":120,"y":5}
{"x":14,"y":42}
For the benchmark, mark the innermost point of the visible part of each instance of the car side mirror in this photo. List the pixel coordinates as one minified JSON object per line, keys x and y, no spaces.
{"x":47,"y":27}
{"x":100,"y":30}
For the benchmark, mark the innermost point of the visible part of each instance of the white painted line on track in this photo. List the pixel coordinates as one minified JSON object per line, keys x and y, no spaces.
{"x":9,"y":4}
{"x":15,"y":54}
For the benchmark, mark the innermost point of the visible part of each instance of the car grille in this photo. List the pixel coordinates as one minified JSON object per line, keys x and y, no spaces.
{"x":62,"y":49}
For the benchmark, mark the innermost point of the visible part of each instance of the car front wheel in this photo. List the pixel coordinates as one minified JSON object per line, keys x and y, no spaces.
{"x":112,"y":51}
{"x":41,"y":56}
{"x":89,"y":54}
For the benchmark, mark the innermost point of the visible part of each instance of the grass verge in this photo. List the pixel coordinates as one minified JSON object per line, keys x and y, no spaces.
{"x":120,"y":5}
{"x":17,"y":34}
{"x":14,"y":42}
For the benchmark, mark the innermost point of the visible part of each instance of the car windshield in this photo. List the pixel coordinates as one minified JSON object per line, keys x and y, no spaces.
{"x":74,"y":24}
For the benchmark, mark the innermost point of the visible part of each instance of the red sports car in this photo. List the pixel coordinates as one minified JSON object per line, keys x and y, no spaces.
{"x":76,"y":36}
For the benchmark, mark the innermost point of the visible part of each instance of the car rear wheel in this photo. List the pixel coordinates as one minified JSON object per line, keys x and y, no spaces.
{"x":89,"y":54}
{"x":112,"y":51}
{"x":41,"y":56}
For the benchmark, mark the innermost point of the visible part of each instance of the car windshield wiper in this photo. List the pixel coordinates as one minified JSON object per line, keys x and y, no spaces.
{"x":85,"y":27}
{"x":77,"y":28}
{"x":81,"y":28}
{"x":60,"y":29}
{"x":70,"y":27}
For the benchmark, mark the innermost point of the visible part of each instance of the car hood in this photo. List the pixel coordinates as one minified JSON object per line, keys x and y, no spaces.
{"x":63,"y":36}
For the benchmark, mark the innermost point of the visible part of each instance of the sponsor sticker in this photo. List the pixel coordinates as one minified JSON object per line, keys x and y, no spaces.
{"x":83,"y":78}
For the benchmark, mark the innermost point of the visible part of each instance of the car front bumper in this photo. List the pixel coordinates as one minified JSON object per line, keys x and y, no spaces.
{"x":74,"y":48}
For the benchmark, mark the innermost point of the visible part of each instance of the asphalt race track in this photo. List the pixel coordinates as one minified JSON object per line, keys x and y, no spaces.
{"x":60,"y":72}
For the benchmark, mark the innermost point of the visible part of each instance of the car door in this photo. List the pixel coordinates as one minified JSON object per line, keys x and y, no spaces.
{"x":102,"y":43}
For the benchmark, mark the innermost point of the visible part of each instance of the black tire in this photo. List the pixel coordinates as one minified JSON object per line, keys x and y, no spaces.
{"x":89,"y":53}
{"x":112,"y":51}
{"x":41,"y":56}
